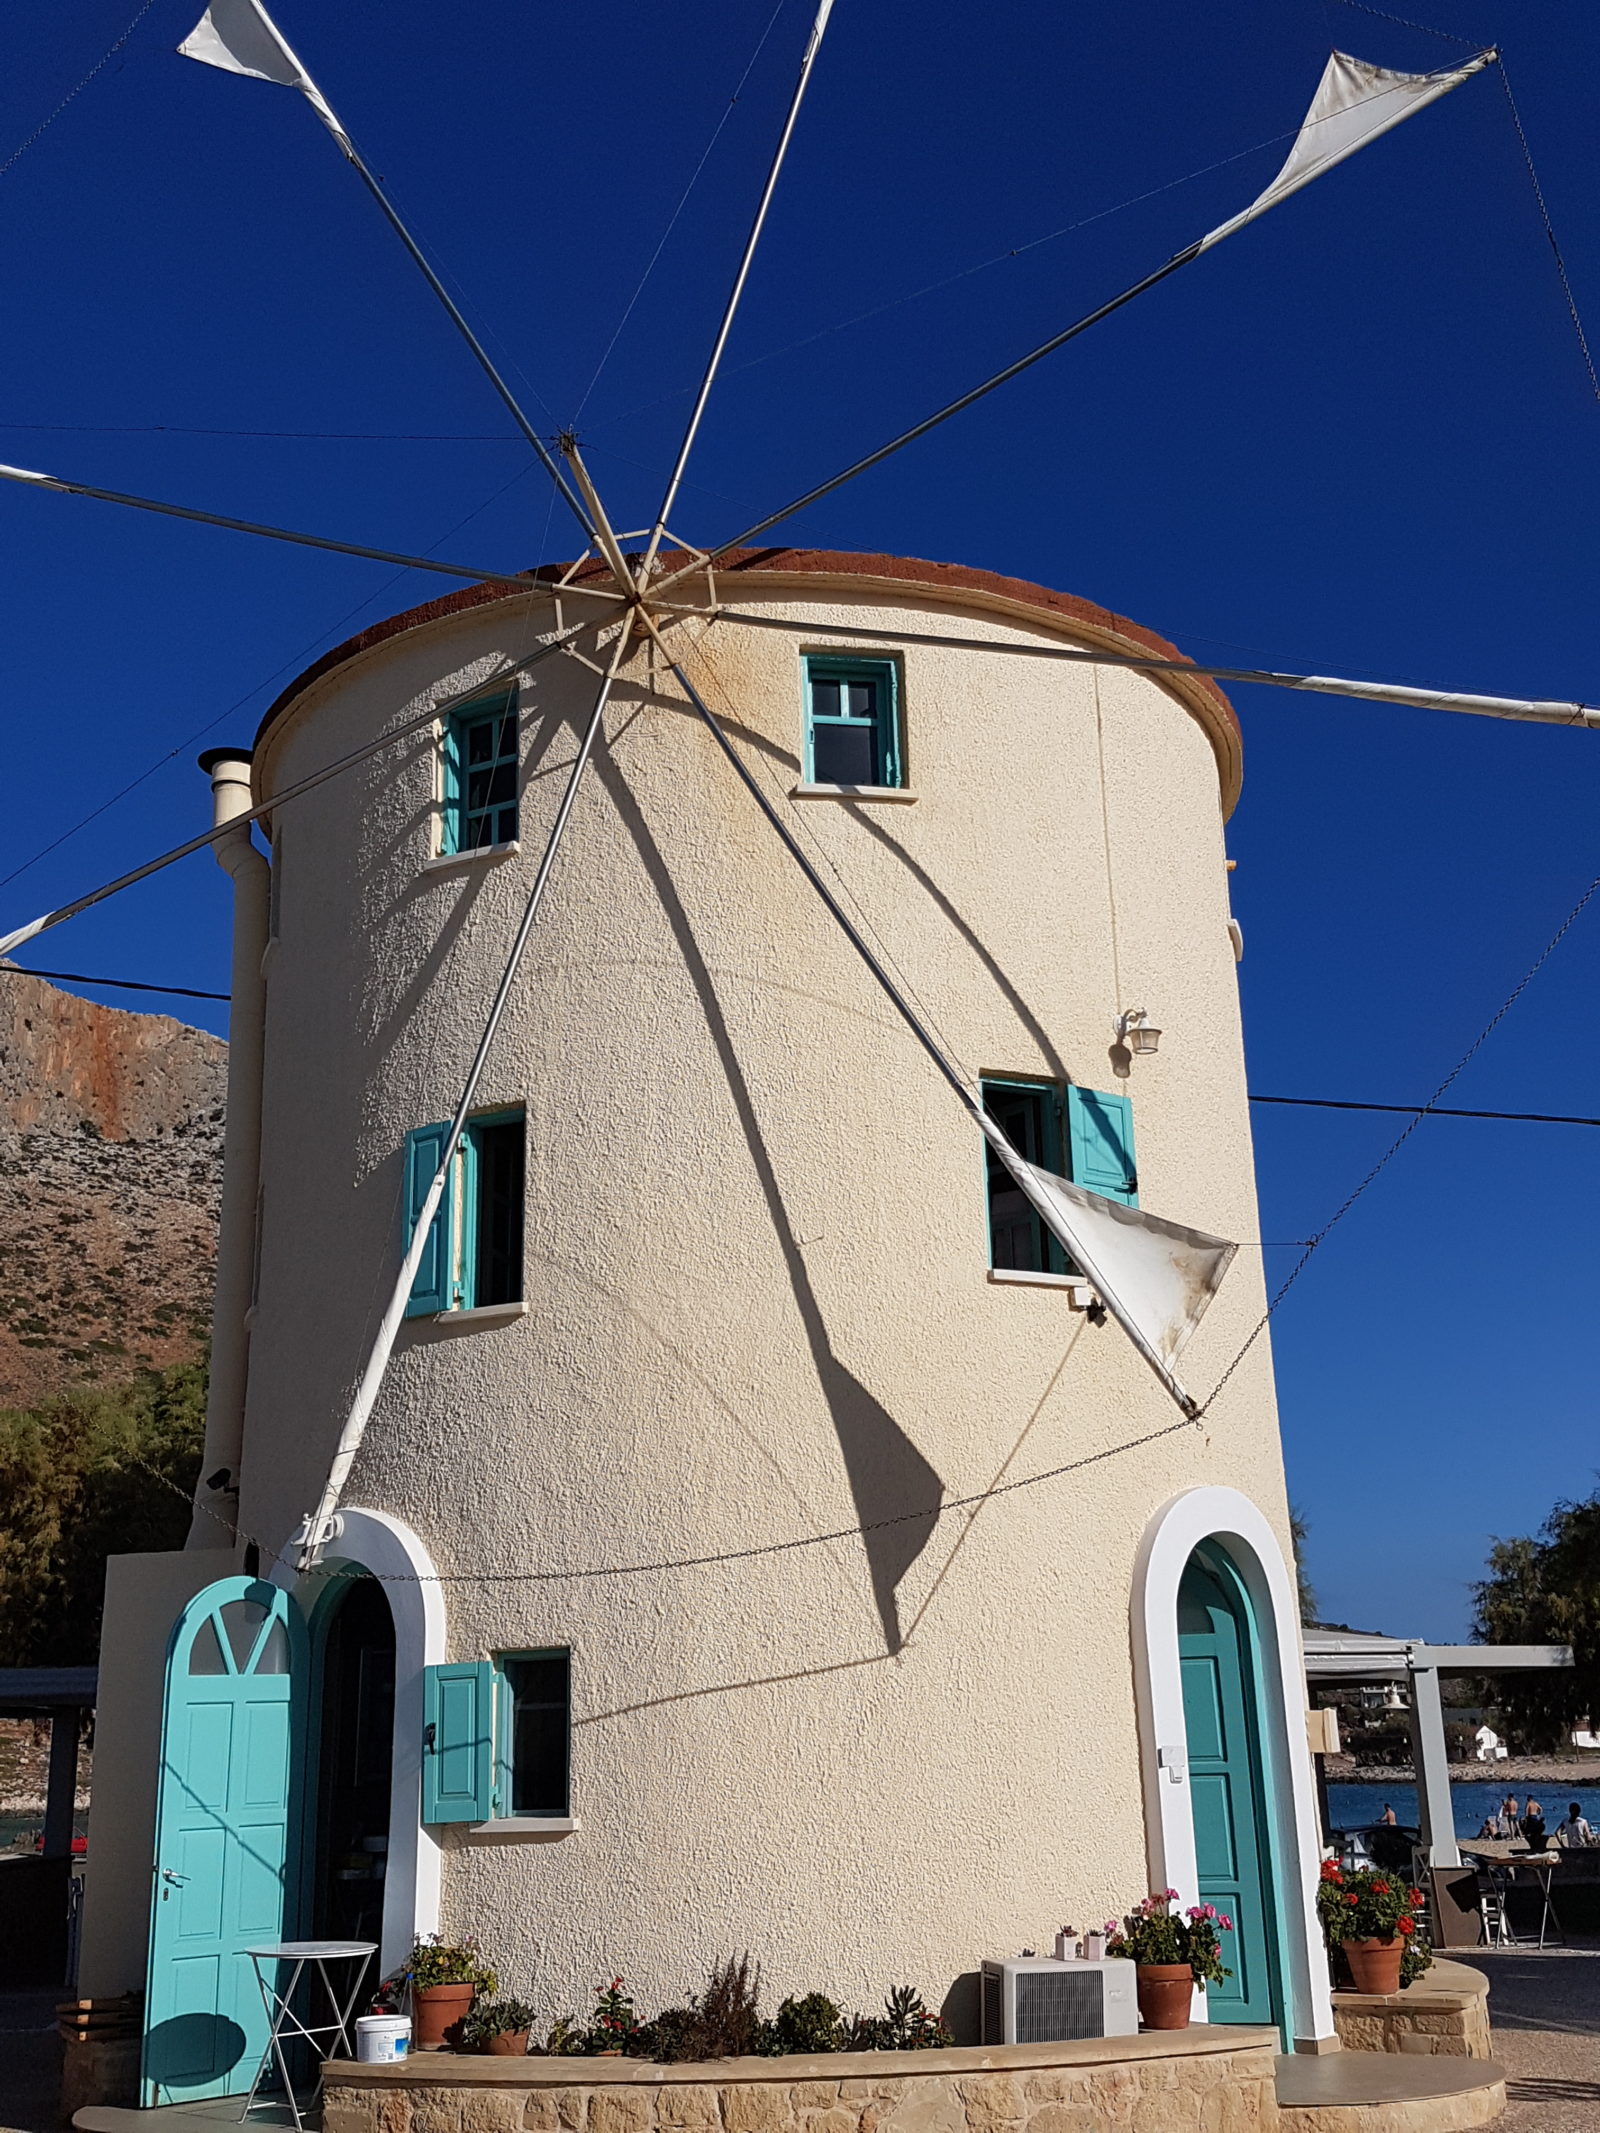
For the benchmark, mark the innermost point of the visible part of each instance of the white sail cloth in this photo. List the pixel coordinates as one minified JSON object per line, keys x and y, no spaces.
{"x":1354,"y":103}
{"x":241,"y":37}
{"x":1156,"y":1278}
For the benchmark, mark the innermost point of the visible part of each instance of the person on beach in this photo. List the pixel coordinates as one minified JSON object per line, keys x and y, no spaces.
{"x":1389,"y":1818}
{"x":1533,"y":1826}
{"x":1508,"y":1813}
{"x":1574,"y":1830}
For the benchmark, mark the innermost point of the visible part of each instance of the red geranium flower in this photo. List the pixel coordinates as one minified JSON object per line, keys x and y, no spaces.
{"x":1405,"y":1925}
{"x":1353,"y":1901}
{"x":1330,"y":1872}
{"x":1380,"y":1888}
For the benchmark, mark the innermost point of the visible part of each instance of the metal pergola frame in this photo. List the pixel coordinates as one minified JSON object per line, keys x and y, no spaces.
{"x":1350,"y":1657}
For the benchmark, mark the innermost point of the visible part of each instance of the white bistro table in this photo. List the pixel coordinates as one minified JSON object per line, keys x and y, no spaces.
{"x":277,"y":1997}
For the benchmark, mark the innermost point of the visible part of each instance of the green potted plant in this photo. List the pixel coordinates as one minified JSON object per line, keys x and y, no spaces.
{"x":1173,"y":1954}
{"x":615,"y":2025}
{"x":501,"y":2027}
{"x":1370,"y":1917}
{"x":445,"y":1978}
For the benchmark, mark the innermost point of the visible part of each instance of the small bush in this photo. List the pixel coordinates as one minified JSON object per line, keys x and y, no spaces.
{"x":500,"y":2018}
{"x":811,"y":2024}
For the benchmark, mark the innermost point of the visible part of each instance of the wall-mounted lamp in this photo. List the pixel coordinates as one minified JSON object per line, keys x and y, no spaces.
{"x":1136,"y":1030}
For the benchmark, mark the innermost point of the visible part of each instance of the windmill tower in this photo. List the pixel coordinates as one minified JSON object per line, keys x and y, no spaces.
{"x":729,"y":1325}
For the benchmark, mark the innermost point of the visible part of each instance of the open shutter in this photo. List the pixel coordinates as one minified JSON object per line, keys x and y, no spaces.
{"x":458,"y":1742}
{"x":1100,"y":1133}
{"x":430,"y":1292}
{"x":451,"y":800}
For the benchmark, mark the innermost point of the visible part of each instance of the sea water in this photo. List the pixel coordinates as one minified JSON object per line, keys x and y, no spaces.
{"x":1357,"y":1806}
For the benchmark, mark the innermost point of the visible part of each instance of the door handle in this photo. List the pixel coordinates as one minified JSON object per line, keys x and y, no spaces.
{"x":177,"y":1881}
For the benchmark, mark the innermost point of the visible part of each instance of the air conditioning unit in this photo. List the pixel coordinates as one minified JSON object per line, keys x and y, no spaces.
{"x":1036,"y":2000}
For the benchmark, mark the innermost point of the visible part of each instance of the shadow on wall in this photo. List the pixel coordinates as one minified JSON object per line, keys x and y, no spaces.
{"x":888,"y":1476}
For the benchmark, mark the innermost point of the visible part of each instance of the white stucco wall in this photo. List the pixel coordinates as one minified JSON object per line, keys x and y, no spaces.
{"x":755,"y":1265}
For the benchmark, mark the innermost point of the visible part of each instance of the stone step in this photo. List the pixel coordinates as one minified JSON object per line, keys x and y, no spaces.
{"x":1387,"y":2092}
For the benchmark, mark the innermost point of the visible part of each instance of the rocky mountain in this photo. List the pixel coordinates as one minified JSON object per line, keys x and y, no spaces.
{"x":110,"y":1181}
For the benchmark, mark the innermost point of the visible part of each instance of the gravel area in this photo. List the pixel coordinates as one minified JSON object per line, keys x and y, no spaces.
{"x":1545,"y":2013}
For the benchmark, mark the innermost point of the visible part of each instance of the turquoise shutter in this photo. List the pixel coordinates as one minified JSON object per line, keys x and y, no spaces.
{"x":1100,"y":1133}
{"x":430,"y":1292}
{"x":458,"y":1742}
{"x":451,"y":812}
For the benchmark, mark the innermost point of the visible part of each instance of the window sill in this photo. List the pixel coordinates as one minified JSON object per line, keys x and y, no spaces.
{"x":1080,"y":1293}
{"x":889,"y":794}
{"x":481,"y":1315}
{"x":529,"y":1828}
{"x":442,"y":862}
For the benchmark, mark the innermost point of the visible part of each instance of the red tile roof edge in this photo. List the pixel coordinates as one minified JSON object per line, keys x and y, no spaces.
{"x":1201,"y":693}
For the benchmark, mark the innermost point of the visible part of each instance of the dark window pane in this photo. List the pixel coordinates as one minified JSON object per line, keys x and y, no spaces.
{"x":861,"y":699}
{"x":506,"y":833}
{"x":488,"y":788}
{"x":500,"y":1175}
{"x":1017,"y":1238}
{"x":480,"y":741}
{"x":844,"y":755}
{"x":825,"y":699}
{"x":479,"y":832}
{"x":540,"y":1722}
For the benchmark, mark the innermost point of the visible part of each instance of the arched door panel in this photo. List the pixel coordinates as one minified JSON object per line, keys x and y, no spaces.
{"x":227,"y":1828}
{"x":1226,"y":1788}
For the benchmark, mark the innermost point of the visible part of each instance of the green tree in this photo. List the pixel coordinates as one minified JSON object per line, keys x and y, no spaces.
{"x":1299,"y":1527}
{"x":84,"y":1476}
{"x":1546,"y":1590}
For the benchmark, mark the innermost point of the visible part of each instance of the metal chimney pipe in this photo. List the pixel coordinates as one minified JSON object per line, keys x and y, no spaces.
{"x":216,"y":1491}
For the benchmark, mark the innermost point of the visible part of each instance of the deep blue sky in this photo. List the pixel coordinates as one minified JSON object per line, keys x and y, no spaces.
{"x":1358,"y":438}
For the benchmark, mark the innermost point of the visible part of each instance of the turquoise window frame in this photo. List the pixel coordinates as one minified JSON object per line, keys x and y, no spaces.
{"x":447,"y":1279}
{"x":885,"y":721}
{"x":456,"y":818}
{"x":504,"y":1771}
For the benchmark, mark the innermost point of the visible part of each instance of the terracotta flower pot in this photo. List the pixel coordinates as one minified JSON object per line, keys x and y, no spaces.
{"x":510,"y":2044}
{"x":1165,"y":1993}
{"x":436,"y":2010}
{"x":1375,"y":1964}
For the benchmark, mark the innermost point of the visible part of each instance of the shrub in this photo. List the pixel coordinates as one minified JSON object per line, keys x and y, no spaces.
{"x":907,"y":2024}
{"x":729,"y":2009}
{"x":811,"y":2024}
{"x":615,"y":2024}
{"x":499,"y":2018}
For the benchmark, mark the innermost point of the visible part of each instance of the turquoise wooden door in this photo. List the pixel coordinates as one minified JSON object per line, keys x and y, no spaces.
{"x":226,"y":1826}
{"x":1226,"y":1789}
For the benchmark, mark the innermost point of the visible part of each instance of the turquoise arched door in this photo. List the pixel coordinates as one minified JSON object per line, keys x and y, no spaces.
{"x":1227,"y":1787}
{"x":227,"y":1829}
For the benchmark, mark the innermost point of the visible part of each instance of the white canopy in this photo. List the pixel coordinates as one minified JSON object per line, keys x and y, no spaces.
{"x":241,"y":37}
{"x":1354,"y":103}
{"x":1156,"y":1278}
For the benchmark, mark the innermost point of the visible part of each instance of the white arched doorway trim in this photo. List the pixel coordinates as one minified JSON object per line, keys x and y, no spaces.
{"x":388,"y":1549}
{"x":1240,"y":1527}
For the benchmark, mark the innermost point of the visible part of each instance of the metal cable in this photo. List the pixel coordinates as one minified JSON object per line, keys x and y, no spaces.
{"x":239,"y":702}
{"x":1549,"y":230}
{"x":672,"y":221}
{"x":19,"y":152}
{"x":1394,"y":1148}
{"x":932,"y":1513}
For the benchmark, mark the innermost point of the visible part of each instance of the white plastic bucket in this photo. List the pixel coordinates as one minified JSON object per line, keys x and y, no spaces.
{"x":380,"y":2038}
